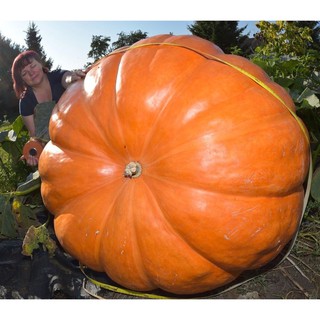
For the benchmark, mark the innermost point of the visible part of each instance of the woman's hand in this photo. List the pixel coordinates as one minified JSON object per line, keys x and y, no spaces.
{"x":32,"y":161}
{"x":31,"y":151}
{"x":72,"y":76}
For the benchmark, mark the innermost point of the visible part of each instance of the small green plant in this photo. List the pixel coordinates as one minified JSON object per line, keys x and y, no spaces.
{"x":18,"y":209}
{"x":12,"y":170}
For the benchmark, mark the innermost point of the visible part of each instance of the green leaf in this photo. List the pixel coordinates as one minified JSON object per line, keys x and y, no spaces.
{"x":27,"y":215}
{"x":12,"y":149}
{"x":8,"y":222}
{"x":18,"y":125}
{"x":36,"y":236}
{"x":290,"y":64}
{"x":284,"y":82}
{"x":309,"y":96}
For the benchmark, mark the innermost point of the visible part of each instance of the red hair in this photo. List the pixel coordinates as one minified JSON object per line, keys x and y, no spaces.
{"x":21,"y":61}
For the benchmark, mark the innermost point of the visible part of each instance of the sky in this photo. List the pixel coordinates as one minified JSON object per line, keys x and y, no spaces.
{"x":67,"y":29}
{"x":68,"y":42}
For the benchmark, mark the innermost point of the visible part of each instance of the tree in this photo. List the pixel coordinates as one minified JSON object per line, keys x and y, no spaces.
{"x":99,"y":47}
{"x":224,"y":34}
{"x":100,"y":44}
{"x":314,"y":26}
{"x":284,"y":38}
{"x":287,"y":54}
{"x":128,"y":39}
{"x":8,"y":101}
{"x":33,"y":42}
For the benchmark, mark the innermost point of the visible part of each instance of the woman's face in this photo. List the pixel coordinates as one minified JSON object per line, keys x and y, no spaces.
{"x":32,"y":74}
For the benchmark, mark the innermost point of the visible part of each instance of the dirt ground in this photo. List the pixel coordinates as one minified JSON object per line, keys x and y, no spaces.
{"x":295,"y":278}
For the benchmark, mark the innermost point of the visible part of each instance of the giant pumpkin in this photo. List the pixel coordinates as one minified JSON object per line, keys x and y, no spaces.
{"x":170,"y":167}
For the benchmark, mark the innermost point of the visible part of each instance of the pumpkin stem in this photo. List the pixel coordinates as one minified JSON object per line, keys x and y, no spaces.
{"x":133,"y":170}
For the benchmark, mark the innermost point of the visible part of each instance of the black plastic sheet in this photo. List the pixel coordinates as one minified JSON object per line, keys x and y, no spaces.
{"x":39,"y":277}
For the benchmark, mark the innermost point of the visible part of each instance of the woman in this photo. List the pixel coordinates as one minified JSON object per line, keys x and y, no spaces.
{"x":38,"y":90}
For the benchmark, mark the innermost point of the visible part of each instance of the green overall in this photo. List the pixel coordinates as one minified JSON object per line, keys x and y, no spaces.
{"x":42,"y":114}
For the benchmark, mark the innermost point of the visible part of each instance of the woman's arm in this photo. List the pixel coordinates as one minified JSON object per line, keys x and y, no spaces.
{"x":29,"y":123}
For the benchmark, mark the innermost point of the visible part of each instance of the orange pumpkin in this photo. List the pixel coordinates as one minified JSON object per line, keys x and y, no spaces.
{"x":168,"y":169}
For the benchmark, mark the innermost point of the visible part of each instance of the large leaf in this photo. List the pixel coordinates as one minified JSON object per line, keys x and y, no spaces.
{"x":8,"y":224}
{"x":308,"y":99}
{"x":36,"y":237}
{"x":284,"y":82}
{"x":18,"y":125}
{"x":13,"y":149}
{"x":312,"y":119}
{"x":26,"y":215}
{"x":290,"y":64}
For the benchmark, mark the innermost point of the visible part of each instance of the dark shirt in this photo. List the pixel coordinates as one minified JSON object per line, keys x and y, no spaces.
{"x":29,"y":101}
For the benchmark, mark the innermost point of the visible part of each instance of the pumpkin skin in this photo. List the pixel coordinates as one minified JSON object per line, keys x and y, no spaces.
{"x":223,"y":165}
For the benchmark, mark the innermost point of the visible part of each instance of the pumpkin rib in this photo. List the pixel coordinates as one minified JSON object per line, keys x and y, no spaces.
{"x":238,"y":63}
{"x":92,"y":118}
{"x":179,"y":241}
{"x":159,"y":122}
{"x":201,"y":63}
{"x":116,"y":109}
{"x":86,"y":192}
{"x":111,"y":189}
{"x":176,"y":232}
{"x":64,"y":144}
{"x":182,"y":236}
{"x":225,"y":140}
{"x":80,"y":188}
{"x":140,"y":255}
{"x":219,"y":192}
{"x":241,"y":213}
{"x":75,"y":153}
{"x":254,"y":194}
{"x":177,"y":81}
{"x":168,"y":104}
{"x":75,"y":207}
{"x":118,"y":240}
{"x":184,"y":145}
{"x":184,"y":87}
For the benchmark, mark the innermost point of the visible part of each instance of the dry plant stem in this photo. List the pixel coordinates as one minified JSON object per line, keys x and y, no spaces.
{"x":88,"y":292}
{"x":286,"y":274}
{"x":297,"y":268}
{"x":305,"y":264}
